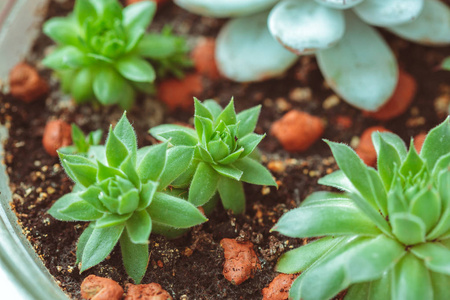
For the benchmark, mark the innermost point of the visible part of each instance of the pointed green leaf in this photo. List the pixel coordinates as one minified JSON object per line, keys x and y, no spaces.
{"x":61,"y":204}
{"x":135,"y":257}
{"x":129,"y":168}
{"x":62,"y":30}
{"x":178,"y":160}
{"x":388,"y":159}
{"x":232,"y":194}
{"x":164,"y":132}
{"x":250,"y":142}
{"x":129,"y":202}
{"x":379,"y":289}
{"x":138,"y":15}
{"x":442,"y":163}
{"x":325,"y":197}
{"x":228,"y":115}
{"x":218,"y":149}
{"x":99,"y":246}
{"x":152,"y":164}
{"x":83,"y":9}
{"x":393,"y":140}
{"x":214,"y":108}
{"x":232,"y":157}
{"x":201,"y":110}
{"x":183,"y":181}
{"x":247,"y":120}
{"x":109,"y":220}
{"x":78,"y":138}
{"x":396,"y":199}
{"x":228,"y":171}
{"x":435,"y":256}
{"x":254,"y":172}
{"x":338,"y":180}
{"x":413,"y":162}
{"x":139,"y":227}
{"x":436,"y":144}
{"x":79,"y":169}
{"x":116,"y":151}
{"x":203,"y":185}
{"x":91,"y":196}
{"x":174,"y":212}
{"x":111,"y":88}
{"x":408,"y":228}
{"x":411,"y":280}
{"x":125,"y":133}
{"x":146,"y":196}
{"x":135,"y":69}
{"x":105,"y":172}
{"x":427,"y":206}
{"x":440,"y":284}
{"x":84,"y":237}
{"x":81,"y":211}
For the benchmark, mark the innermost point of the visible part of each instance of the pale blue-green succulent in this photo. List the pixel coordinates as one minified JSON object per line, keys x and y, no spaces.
{"x":387,"y":236}
{"x":353,"y":57}
{"x":120,"y":190}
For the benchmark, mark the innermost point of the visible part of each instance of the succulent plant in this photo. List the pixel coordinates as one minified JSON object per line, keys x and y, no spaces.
{"x":223,"y":152}
{"x":119,"y":190}
{"x":354,"y":59}
{"x":104,"y":53}
{"x":387,"y":236}
{"x":82,"y":143}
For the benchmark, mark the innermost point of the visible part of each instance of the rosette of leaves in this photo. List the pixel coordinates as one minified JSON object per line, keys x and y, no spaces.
{"x":82,"y":143}
{"x":387,"y":236}
{"x":357,"y":63}
{"x":104,"y":52}
{"x":118,"y":189}
{"x":224,"y":154}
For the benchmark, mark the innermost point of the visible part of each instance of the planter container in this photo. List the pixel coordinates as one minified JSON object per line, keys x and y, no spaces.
{"x":22,"y":273}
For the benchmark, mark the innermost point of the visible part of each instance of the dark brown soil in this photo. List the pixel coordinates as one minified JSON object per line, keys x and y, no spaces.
{"x":192,"y":265}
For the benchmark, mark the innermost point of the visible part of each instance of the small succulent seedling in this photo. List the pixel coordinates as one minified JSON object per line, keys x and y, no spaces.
{"x":118,"y":190}
{"x":223,"y":147}
{"x":387,"y":236}
{"x":82,"y":143}
{"x":104,"y":53}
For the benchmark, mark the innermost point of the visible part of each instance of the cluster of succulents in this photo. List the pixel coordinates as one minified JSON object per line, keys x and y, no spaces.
{"x":82,"y":143}
{"x":118,"y":189}
{"x":353,"y":57}
{"x":105,"y":54}
{"x":224,"y":154}
{"x":127,"y":193}
{"x":387,"y":236}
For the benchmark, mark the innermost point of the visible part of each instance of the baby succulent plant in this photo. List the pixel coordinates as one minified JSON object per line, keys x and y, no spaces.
{"x":353,"y":57}
{"x":118,"y":190}
{"x":104,"y":53}
{"x":387,"y":236}
{"x":82,"y":143}
{"x":223,"y":154}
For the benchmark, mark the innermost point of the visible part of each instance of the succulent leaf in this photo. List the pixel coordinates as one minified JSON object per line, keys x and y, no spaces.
{"x":135,"y":257}
{"x":389,"y":12}
{"x":339,"y":4}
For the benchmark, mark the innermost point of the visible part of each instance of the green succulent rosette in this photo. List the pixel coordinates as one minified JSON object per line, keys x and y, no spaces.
{"x":387,"y":236}
{"x":224,"y":154}
{"x":119,"y":190}
{"x":82,"y":143}
{"x":104,"y":53}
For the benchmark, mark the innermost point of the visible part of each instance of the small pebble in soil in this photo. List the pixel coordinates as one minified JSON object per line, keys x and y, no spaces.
{"x":100,"y":288}
{"x":366,"y":149}
{"x":26,"y":84}
{"x":57,"y":134}
{"x":241,"y":261}
{"x":278,"y":289}
{"x":151,"y":291}
{"x":179,"y":93}
{"x":297,"y":130}
{"x":204,"y":58}
{"x":400,"y":101}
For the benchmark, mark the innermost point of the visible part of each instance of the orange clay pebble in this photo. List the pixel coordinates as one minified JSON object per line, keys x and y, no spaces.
{"x":179,"y":93}
{"x":241,"y":261}
{"x":159,"y":2}
{"x":278,"y":289}
{"x":366,"y":149}
{"x":297,"y":130}
{"x":151,"y":291}
{"x":400,"y":101}
{"x":100,"y":288}
{"x":26,"y":84}
{"x":57,"y":134}
{"x":204,"y":58}
{"x":343,"y":122}
{"x":418,"y":141}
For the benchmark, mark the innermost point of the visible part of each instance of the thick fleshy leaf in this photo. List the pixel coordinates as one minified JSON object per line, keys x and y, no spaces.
{"x":339,"y":4}
{"x":247,"y":120}
{"x":84,"y":10}
{"x":135,"y":69}
{"x":303,"y":26}
{"x":444,"y":222}
{"x":62,"y":203}
{"x":66,"y":58}
{"x":64,"y":31}
{"x":203,"y":185}
{"x":440,"y":284}
{"x":427,"y":206}
{"x":232,"y":194}
{"x":435,"y":256}
{"x":183,"y":181}
{"x":431,"y":27}
{"x":260,"y":55}
{"x":413,"y":163}
{"x":325,"y":197}
{"x":225,"y":8}
{"x":301,"y":258}
{"x":392,"y":139}
{"x":171,"y":131}
{"x":389,"y":12}
{"x":232,"y":157}
{"x":105,"y":172}
{"x":379,"y":289}
{"x":81,"y":88}
{"x":84,"y":237}
{"x":361,"y":68}
{"x":125,"y":132}
{"x":408,"y":228}
{"x":139,"y":15}
{"x":109,"y":220}
{"x":254,"y":172}
{"x":411,"y":280}
{"x":90,"y":195}
{"x":111,"y":88}
{"x":147,"y":192}
{"x":152,"y":163}
{"x":135,"y":257}
{"x":388,"y":160}
{"x":129,"y":168}
{"x":442,"y":163}
{"x":437,"y":143}
{"x":342,"y":218}
{"x":250,"y":142}
{"x":228,"y":171}
{"x":116,"y":151}
{"x":174,"y":212}
{"x":178,"y":160}
{"x":80,"y":169}
{"x":228,"y":114}
{"x":99,"y":246}
{"x":139,"y":227}
{"x":338,"y":180}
